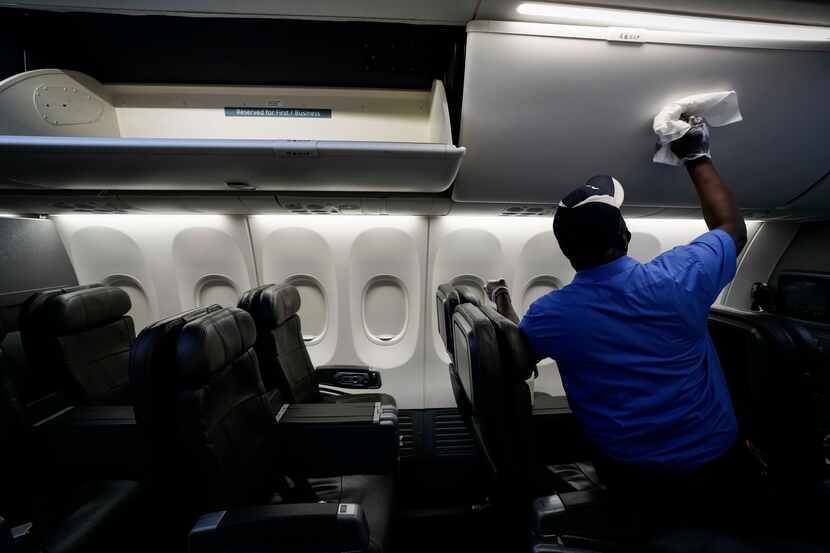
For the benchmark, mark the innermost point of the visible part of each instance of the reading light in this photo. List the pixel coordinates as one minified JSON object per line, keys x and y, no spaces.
{"x":610,"y":17}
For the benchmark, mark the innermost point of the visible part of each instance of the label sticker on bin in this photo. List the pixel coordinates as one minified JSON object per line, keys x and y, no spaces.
{"x":263,"y":111}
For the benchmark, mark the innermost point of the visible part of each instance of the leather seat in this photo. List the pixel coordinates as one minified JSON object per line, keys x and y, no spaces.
{"x":494,"y":360}
{"x":65,"y":515}
{"x":78,"y":342}
{"x":769,"y":363}
{"x":285,"y":365}
{"x":199,"y":372}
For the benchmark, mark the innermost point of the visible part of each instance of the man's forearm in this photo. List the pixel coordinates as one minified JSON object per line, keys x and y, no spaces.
{"x":720,"y":211}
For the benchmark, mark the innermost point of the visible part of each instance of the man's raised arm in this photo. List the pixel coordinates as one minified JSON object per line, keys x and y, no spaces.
{"x":720,"y":211}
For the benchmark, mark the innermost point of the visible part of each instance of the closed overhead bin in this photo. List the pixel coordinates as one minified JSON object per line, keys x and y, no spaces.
{"x":62,"y":129}
{"x":546,"y":106}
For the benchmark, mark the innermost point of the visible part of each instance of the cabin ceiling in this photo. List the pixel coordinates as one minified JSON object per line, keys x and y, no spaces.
{"x":447,"y":12}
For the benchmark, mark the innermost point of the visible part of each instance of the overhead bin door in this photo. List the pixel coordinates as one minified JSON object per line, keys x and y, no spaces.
{"x":542,"y":114}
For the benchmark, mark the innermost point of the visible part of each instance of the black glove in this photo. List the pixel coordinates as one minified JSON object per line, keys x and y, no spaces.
{"x":695,"y":143}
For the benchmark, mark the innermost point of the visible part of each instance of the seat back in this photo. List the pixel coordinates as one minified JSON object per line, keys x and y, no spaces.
{"x":38,"y":379}
{"x":223,"y":424}
{"x":79,"y":341}
{"x":284,"y":361}
{"x":766,"y":363}
{"x":151,"y":369}
{"x":492,"y":365}
{"x":447,"y":298}
{"x":14,"y":491}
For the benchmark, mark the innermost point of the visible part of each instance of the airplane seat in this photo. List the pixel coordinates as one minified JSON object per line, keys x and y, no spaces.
{"x":37,"y":384}
{"x":282,"y":353}
{"x":768,"y":364}
{"x":47,"y":513}
{"x":226,"y":449}
{"x":499,"y":400}
{"x":447,"y":299}
{"x":150,"y":363}
{"x":79,"y":341}
{"x":494,"y":360}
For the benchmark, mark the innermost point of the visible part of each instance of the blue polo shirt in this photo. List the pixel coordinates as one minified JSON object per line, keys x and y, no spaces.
{"x":635,"y":356}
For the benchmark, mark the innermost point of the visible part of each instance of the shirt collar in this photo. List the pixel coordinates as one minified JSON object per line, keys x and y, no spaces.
{"x":606,"y":271}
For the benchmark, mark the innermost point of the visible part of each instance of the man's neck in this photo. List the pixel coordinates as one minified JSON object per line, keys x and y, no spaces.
{"x":608,"y":257}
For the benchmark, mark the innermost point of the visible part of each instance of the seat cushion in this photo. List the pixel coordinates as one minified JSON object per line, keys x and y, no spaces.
{"x":93,"y":516}
{"x":384,"y":399}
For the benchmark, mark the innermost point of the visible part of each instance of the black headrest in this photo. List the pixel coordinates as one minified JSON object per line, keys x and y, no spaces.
{"x":212,"y":342}
{"x":2,"y":331}
{"x":249,"y":298}
{"x":516,"y":352}
{"x":467,"y":295}
{"x":83,"y":309}
{"x":276,"y":304}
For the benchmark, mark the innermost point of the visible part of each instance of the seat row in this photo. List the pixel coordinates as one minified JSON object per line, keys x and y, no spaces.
{"x":770,"y":365}
{"x":214,"y":411}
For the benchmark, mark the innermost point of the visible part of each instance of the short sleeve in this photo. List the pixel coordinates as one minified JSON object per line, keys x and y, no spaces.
{"x":534,"y":325}
{"x":703,"y":267}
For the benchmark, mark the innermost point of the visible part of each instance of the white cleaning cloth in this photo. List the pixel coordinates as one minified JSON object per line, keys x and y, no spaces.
{"x":718,"y":108}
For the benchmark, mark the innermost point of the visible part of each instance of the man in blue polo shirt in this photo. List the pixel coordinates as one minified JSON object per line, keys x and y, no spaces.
{"x":631,"y":340}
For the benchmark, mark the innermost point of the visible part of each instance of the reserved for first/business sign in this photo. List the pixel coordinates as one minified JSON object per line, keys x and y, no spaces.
{"x":309,"y":113}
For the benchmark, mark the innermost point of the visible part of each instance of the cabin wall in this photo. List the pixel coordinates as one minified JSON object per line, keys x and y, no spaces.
{"x":367,"y":282}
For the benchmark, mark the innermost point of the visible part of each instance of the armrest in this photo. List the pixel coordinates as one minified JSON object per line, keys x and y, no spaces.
{"x":586,"y":519}
{"x":337,"y":438}
{"x":97,"y":441}
{"x":300,"y":527}
{"x":358,"y":377}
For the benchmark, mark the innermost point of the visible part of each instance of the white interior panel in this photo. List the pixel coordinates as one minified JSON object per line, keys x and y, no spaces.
{"x":524,"y":252}
{"x":167,"y":263}
{"x":542,"y":114}
{"x":345,"y":254}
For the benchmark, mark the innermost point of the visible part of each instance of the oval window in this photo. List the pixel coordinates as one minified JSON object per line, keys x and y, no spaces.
{"x":216,"y":289}
{"x":140,"y":311}
{"x":538,"y":287}
{"x":385,"y":309}
{"x":313,"y":316}
{"x":472,"y":284}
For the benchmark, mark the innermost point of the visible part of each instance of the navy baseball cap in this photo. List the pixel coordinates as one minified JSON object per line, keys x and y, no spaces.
{"x":588,"y":221}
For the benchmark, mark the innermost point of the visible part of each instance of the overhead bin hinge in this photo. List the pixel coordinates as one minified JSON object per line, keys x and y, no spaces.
{"x":625,"y":34}
{"x":67,"y":105}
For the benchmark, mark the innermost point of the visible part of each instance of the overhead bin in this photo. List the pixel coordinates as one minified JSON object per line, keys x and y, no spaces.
{"x":62,"y":129}
{"x":548,"y":106}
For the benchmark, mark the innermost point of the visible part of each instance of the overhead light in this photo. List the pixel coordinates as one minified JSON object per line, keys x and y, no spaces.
{"x":570,"y":14}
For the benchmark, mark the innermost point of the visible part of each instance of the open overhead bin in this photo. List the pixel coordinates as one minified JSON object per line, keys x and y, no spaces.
{"x":547,"y":106}
{"x":62,"y":129}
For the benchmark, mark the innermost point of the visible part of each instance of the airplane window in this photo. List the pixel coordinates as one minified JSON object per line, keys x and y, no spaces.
{"x":313,"y":318}
{"x":385,"y":309}
{"x":218,"y":289}
{"x":538,"y":287}
{"x":473,"y":284}
{"x":140,"y":310}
